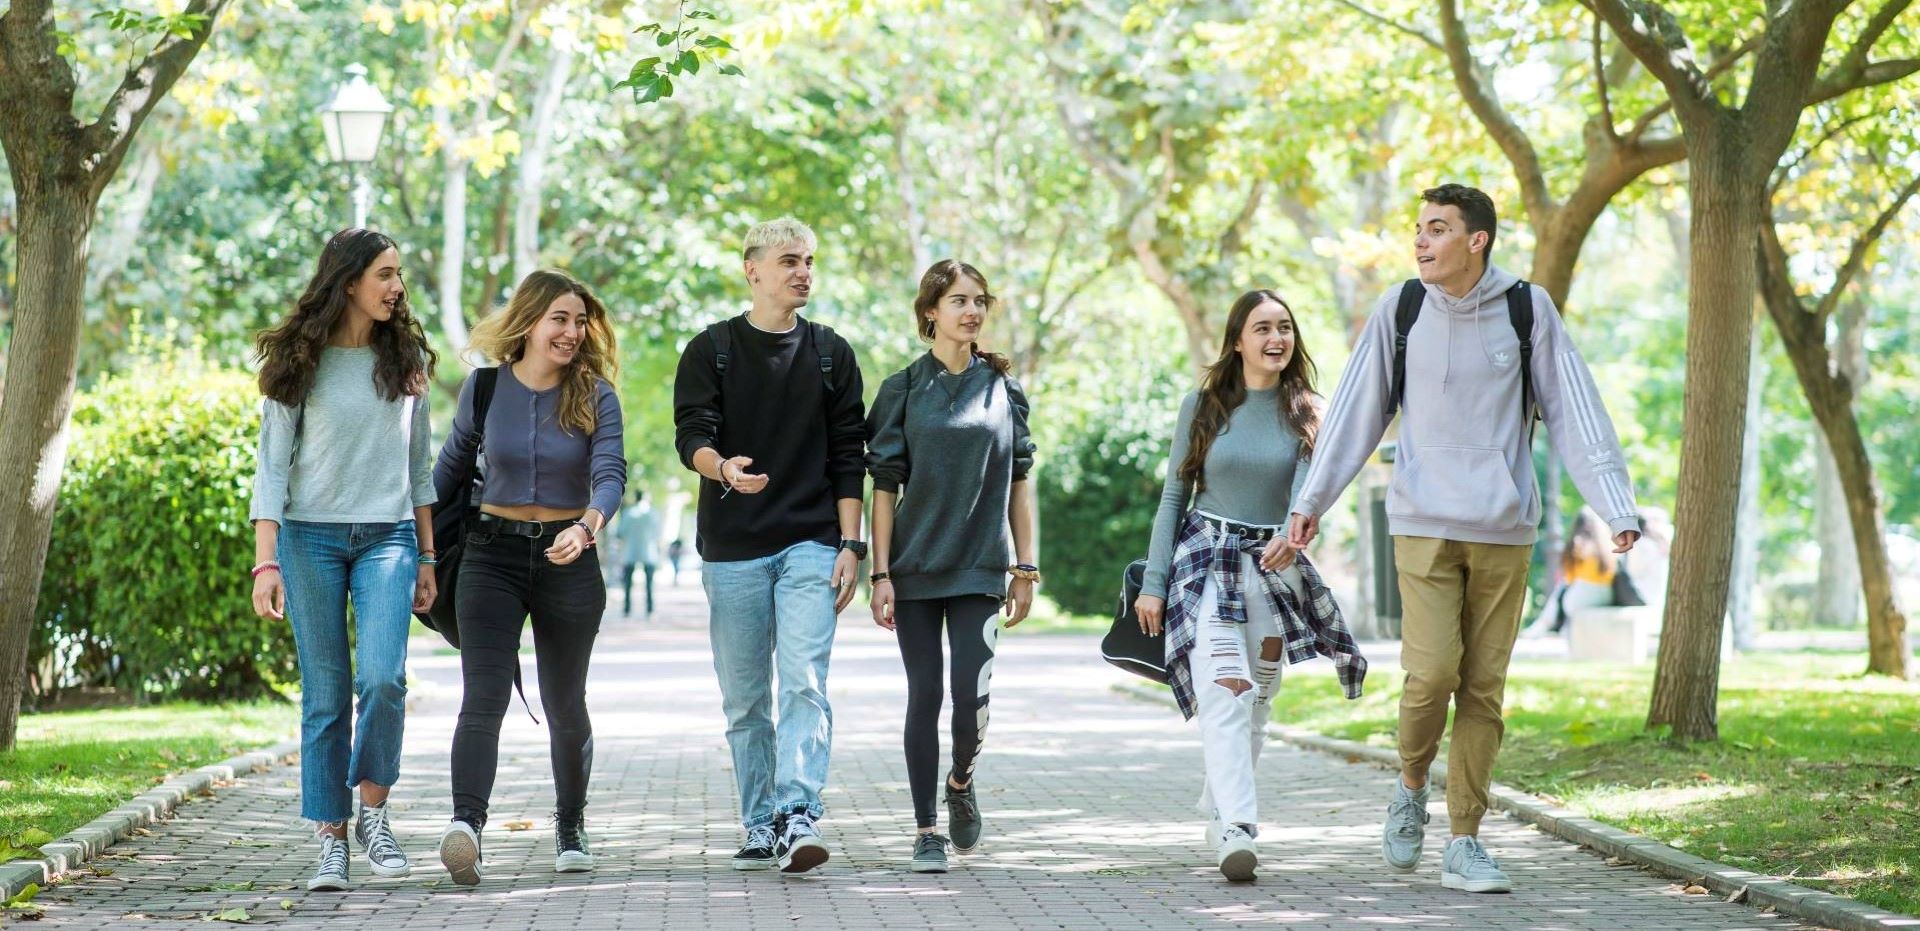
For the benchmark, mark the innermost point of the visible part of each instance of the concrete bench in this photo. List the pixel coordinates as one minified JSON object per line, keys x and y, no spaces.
{"x":1627,"y":636}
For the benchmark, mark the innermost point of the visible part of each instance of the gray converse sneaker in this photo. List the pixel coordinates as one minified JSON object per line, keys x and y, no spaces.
{"x":375,"y":834}
{"x":800,"y":847}
{"x":331,"y":876}
{"x":1467,"y":866}
{"x":1238,"y":856}
{"x":460,"y":853}
{"x":1406,"y":827}
{"x":929,"y":854}
{"x":963,"y":817}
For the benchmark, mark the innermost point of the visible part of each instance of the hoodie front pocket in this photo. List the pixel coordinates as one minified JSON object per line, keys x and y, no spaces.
{"x":1468,"y":486}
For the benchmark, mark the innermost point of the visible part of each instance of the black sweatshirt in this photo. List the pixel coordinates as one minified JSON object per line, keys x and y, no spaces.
{"x":774,"y":408}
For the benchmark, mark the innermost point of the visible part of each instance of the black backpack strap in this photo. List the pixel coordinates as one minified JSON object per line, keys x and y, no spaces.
{"x":823,"y":345}
{"x":1412,"y":295}
{"x":722,"y":335}
{"x":484,"y":381}
{"x":1520,"y":313}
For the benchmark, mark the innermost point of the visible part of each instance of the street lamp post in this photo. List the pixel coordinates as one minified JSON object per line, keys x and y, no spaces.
{"x":353,"y":119}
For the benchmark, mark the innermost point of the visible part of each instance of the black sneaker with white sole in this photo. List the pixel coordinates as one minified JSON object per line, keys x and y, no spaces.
{"x":570,"y":854}
{"x":800,"y":848}
{"x":758,"y":853}
{"x":460,"y":853}
{"x":963,"y":817}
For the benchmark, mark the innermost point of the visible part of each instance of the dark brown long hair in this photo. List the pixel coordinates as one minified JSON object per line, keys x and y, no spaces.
{"x":1224,"y":388}
{"x":933,"y":285}
{"x":289,"y":354}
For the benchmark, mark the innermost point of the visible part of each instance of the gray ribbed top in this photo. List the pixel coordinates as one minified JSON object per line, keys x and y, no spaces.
{"x":345,"y":456}
{"x":1252,"y":470}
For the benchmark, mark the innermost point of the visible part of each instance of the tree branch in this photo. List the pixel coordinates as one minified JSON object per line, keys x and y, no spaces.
{"x":1786,"y":171}
{"x":1600,"y":80}
{"x":1880,"y":72}
{"x":1855,"y":60}
{"x":1719,"y":69}
{"x":1499,"y":124}
{"x":1857,"y":256}
{"x":1393,"y":24}
{"x":142,"y":89}
{"x":1236,"y":232}
{"x":1654,"y":37}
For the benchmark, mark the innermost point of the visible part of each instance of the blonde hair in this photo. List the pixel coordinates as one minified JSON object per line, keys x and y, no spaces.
{"x":502,"y":337}
{"x":776,"y":233}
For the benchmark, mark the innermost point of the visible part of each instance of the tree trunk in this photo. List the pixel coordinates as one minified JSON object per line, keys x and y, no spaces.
{"x":531,"y":186}
{"x":1830,"y":397}
{"x":1724,"y":225}
{"x":1743,"y":584}
{"x":56,"y":216}
{"x":453,"y":252}
{"x":1836,"y":592}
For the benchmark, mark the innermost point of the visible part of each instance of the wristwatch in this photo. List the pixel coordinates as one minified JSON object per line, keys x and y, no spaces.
{"x":859,"y":547}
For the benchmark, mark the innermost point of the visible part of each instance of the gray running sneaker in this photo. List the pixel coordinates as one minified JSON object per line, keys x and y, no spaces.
{"x":1406,"y":827}
{"x":1467,"y":866}
{"x":963,"y":817}
{"x":331,"y":876}
{"x":460,"y":853}
{"x":929,"y":854}
{"x":375,"y":833}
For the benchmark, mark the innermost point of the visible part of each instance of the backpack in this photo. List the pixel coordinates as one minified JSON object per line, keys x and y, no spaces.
{"x":722,"y":335}
{"x":1519,"y":313}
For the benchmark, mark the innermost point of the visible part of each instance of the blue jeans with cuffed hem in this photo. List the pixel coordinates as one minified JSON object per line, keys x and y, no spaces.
{"x":768,"y":615}
{"x":324,"y":566}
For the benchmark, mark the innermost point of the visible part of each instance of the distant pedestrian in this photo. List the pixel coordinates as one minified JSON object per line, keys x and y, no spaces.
{"x":637,"y":533}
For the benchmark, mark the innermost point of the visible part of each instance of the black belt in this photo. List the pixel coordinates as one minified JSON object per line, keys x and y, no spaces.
{"x":494,"y":523}
{"x":1247,"y":532}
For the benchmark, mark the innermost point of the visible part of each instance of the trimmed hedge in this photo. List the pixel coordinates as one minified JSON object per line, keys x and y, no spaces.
{"x":1097,"y":496}
{"x":146,"y":586}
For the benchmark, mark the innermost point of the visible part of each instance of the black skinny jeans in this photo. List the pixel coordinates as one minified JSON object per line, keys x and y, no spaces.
{"x":502,"y":580}
{"x":973,"y":627}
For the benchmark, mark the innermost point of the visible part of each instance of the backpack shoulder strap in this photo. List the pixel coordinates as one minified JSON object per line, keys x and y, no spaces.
{"x":484,"y":381}
{"x":1405,"y":313}
{"x":823,"y":346}
{"x":1520,"y":314}
{"x":722,"y":335}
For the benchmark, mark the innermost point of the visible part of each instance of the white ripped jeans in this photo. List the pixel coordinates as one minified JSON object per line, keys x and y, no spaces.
{"x":1233,"y":726}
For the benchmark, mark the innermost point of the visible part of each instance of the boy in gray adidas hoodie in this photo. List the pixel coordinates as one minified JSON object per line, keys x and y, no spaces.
{"x":1462,"y":508}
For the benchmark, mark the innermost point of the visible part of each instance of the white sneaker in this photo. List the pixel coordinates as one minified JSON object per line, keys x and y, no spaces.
{"x":460,"y":853}
{"x":375,"y":833}
{"x":1468,"y":867}
{"x":1238,"y":855}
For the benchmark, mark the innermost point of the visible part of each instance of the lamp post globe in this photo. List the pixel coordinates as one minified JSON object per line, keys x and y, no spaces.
{"x":353,"y":120}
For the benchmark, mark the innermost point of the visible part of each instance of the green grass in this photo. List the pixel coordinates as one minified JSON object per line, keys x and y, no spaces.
{"x":1816,"y":776}
{"x":69,"y":767}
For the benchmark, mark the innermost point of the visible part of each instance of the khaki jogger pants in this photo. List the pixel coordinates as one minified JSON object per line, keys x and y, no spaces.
{"x":1460,"y":612}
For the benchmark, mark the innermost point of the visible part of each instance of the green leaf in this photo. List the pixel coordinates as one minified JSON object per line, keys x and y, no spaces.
{"x":235,"y":915}
{"x":667,"y":38}
{"x":647,"y":27}
{"x":731,"y":69}
{"x":714,"y":42}
{"x":689,"y":62}
{"x":701,"y":14}
{"x":24,"y":896}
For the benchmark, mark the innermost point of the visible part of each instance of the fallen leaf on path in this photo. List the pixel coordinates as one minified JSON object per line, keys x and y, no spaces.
{"x":1738,"y":895}
{"x":518,"y":825}
{"x":235,"y":915}
{"x":1696,"y":890}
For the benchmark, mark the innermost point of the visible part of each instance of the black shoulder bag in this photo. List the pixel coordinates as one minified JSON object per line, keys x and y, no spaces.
{"x":451,"y":515}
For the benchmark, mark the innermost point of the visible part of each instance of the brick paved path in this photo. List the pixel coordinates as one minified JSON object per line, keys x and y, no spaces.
{"x":1088,"y":798}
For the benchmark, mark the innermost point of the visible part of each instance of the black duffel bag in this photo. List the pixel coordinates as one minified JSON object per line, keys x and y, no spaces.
{"x":1124,"y":645}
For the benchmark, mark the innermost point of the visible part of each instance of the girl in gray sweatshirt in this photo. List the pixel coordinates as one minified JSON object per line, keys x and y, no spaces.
{"x":949,"y":453}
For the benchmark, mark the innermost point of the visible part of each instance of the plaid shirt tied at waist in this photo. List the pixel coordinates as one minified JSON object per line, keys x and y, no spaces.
{"x":1310,"y":621}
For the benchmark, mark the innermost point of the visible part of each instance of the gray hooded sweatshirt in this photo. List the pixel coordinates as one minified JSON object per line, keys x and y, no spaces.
{"x":1463,"y":469}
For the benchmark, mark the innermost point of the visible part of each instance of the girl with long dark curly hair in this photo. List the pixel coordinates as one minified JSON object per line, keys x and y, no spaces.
{"x":342,"y":511}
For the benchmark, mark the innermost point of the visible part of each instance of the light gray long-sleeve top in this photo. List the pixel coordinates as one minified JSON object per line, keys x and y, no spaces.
{"x":1253,"y":470}
{"x":346,"y":455}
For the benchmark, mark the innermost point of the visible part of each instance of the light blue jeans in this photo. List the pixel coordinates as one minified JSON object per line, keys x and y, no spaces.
{"x":768,"y":614}
{"x":322,"y":565}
